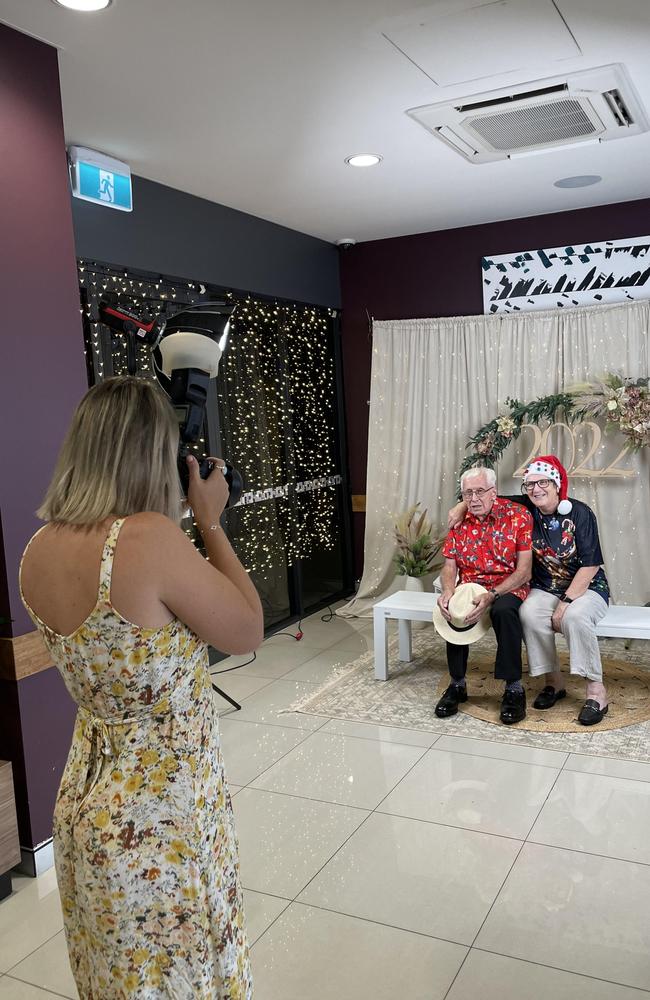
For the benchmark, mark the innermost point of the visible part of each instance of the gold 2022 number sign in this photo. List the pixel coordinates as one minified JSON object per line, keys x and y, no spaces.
{"x":579,"y":436}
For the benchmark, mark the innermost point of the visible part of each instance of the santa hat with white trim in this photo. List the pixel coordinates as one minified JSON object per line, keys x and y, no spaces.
{"x":549,"y":465}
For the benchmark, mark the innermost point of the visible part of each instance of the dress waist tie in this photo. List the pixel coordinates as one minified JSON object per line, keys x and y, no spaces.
{"x":98,"y":747}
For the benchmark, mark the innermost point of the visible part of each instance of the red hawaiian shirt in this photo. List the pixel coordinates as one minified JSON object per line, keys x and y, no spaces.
{"x":485,"y":551}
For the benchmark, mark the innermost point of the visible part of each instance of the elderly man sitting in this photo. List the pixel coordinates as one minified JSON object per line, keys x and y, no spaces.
{"x":491,"y":547}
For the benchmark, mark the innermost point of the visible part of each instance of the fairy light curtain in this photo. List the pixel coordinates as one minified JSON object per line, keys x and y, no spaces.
{"x":276,"y":389}
{"x":276,"y":408}
{"x":435,"y":382}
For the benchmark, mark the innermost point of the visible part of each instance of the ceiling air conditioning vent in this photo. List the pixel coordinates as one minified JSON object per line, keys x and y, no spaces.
{"x":598,"y":104}
{"x":492,"y":102}
{"x":618,"y":108}
{"x":532,"y":125}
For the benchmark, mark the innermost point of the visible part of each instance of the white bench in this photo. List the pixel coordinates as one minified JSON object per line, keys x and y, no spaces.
{"x":620,"y":622}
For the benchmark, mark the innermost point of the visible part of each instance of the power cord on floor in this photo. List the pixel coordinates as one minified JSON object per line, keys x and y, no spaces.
{"x":297,"y":636}
{"x":290,"y":635}
{"x":215,"y":673}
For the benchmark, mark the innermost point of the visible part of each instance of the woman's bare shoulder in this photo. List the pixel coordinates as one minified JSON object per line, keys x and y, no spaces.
{"x":153,"y":536}
{"x":150,"y":552}
{"x":149,"y":524}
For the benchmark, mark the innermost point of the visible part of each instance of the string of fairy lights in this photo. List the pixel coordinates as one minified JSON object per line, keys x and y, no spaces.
{"x":279,"y":371}
{"x":276,"y":399}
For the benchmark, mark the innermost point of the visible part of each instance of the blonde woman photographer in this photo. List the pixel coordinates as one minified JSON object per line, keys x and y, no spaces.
{"x":145,"y":846}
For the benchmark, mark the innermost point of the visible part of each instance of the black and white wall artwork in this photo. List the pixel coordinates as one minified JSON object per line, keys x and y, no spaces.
{"x":567,"y":277}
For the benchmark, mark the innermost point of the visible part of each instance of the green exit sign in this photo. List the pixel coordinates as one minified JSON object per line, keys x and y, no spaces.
{"x":99,"y":178}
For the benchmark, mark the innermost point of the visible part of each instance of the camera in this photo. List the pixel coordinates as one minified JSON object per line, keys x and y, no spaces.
{"x":231,"y":474}
{"x":190,"y":344}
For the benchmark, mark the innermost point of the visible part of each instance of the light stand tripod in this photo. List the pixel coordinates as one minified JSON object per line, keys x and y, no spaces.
{"x":222,"y":694}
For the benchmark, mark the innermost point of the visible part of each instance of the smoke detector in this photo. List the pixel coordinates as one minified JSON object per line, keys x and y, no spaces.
{"x":593,"y":105}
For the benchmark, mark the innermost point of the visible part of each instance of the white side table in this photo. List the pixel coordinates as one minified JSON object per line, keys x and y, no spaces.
{"x":406,"y":606}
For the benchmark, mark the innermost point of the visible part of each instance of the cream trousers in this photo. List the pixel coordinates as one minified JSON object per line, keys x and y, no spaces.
{"x":578,"y":628}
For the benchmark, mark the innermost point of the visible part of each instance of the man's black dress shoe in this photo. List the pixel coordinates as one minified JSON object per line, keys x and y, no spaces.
{"x":548,"y":696}
{"x":591,"y":713}
{"x":513,"y":707}
{"x":448,"y":704}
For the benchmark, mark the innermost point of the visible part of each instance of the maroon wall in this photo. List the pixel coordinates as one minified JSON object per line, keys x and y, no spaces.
{"x":439,"y":274}
{"x":43,"y":369}
{"x":42,"y":377}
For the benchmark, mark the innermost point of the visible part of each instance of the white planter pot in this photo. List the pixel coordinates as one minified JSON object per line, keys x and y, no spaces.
{"x":420,"y":585}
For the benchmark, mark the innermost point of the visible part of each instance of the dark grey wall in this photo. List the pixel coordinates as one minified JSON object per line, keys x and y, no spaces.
{"x":170,"y":232}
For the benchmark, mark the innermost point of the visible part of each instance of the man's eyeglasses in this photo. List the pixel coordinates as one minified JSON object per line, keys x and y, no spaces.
{"x":542,"y":483}
{"x":479,"y":494}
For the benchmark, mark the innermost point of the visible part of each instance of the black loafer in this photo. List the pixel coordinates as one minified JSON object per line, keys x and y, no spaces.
{"x":448,"y":704}
{"x":547,"y":697}
{"x":591,"y":713}
{"x":513,"y":707}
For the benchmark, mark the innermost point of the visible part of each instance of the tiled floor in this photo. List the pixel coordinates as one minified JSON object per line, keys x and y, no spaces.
{"x":382,"y":863}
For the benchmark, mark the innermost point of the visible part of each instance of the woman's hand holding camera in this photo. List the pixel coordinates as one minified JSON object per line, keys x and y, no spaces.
{"x":207,"y":497}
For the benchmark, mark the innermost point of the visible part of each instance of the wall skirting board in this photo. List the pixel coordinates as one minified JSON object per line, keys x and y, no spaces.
{"x":23,"y":656}
{"x":37,"y":860}
{"x":9,"y":852}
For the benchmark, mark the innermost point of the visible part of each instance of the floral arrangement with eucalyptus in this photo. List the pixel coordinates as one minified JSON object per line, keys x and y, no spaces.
{"x":623,"y":402}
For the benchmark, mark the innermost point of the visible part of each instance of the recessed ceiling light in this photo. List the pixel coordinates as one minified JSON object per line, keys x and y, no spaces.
{"x":363,"y":160}
{"x":85,"y":5}
{"x":579,"y":181}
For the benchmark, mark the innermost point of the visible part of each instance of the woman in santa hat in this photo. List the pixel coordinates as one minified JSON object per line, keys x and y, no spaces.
{"x":569,"y":591}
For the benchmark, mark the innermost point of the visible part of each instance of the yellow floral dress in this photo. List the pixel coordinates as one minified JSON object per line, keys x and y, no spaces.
{"x":145,"y":846}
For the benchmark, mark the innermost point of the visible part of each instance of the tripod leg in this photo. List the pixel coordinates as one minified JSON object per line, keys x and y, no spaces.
{"x":131,"y":354}
{"x":235,"y":704}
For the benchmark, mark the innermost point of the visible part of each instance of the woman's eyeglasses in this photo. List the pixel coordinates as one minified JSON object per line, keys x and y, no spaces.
{"x":542,"y":483}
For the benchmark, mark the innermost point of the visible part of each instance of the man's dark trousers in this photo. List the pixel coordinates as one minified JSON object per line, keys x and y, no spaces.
{"x":504,"y":614}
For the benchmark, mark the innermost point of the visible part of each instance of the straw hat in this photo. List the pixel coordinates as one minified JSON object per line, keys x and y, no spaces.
{"x":460,"y":605}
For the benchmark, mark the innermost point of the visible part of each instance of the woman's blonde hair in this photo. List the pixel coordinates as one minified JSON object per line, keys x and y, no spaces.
{"x":118,"y":457}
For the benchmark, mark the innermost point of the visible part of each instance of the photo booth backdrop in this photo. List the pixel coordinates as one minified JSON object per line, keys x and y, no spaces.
{"x":435,"y":382}
{"x":274,"y":411}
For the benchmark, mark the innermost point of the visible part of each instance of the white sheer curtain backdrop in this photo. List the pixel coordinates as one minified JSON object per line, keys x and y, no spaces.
{"x":435,"y":382}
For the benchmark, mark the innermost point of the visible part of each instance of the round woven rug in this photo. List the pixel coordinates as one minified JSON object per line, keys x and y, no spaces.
{"x":628,"y":688}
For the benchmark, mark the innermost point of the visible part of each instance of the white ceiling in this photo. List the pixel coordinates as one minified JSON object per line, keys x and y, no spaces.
{"x":256,"y":103}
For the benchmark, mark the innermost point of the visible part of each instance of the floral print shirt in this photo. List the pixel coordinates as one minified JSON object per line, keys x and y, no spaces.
{"x":485,"y":550}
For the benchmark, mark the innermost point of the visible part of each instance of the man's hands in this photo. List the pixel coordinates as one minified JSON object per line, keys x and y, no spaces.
{"x":481,"y":604}
{"x":443,"y":604}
